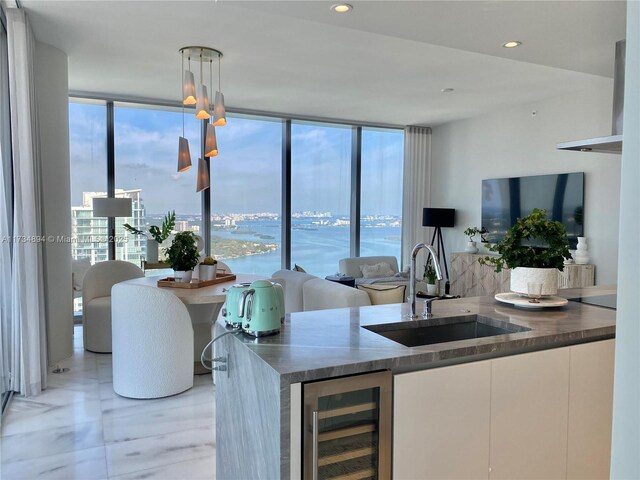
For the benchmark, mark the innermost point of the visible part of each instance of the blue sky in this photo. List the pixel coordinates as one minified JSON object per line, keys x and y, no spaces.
{"x":246,"y":175}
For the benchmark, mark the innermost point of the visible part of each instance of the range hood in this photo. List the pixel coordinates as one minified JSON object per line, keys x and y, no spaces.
{"x":613,"y":142}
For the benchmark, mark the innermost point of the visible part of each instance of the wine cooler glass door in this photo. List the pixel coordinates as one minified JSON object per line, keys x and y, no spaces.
{"x":347,"y":426}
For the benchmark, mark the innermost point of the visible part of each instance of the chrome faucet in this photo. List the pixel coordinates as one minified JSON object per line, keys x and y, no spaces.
{"x":412,"y":282}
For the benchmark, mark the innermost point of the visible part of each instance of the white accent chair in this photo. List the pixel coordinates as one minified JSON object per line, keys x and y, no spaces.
{"x":96,"y":301}
{"x":152,"y":343}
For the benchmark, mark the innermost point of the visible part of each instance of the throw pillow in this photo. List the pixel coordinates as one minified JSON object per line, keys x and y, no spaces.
{"x":384,"y":294}
{"x":298,"y":268}
{"x":382,"y":269}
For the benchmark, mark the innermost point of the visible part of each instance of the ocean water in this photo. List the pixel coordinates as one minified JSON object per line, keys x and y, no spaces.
{"x":316,"y":248}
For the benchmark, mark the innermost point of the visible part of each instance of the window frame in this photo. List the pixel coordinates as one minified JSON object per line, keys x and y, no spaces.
{"x":287,"y":120}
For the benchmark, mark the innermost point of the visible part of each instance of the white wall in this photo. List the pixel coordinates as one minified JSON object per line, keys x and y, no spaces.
{"x":53,"y":121}
{"x":513,"y":142}
{"x":626,"y":396}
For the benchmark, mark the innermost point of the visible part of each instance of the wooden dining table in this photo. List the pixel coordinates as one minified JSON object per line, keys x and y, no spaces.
{"x":213,"y":294}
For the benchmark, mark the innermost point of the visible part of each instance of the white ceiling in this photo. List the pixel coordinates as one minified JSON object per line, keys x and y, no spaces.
{"x":385,"y":62}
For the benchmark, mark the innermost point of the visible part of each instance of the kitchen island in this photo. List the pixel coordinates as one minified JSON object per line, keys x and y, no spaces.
{"x":258,"y":395}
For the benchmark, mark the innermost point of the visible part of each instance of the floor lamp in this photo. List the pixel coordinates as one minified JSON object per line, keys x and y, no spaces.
{"x":112,"y":207}
{"x":438,"y":218}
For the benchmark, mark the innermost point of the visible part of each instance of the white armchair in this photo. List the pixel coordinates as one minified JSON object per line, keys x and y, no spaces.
{"x":96,"y":301}
{"x":152,"y":343}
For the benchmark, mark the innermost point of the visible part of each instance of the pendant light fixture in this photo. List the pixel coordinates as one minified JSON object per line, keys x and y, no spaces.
{"x":188,"y":85}
{"x":203,"y":111}
{"x":210,"y":143}
{"x":203,"y":175}
{"x":219,"y":114}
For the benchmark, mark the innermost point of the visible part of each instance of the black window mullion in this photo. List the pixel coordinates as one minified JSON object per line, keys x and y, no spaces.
{"x":111,"y":177}
{"x":286,"y":194}
{"x":206,"y":194}
{"x":356,"y":170}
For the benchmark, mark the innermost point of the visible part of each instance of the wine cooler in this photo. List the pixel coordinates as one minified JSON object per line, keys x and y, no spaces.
{"x":347,"y":428}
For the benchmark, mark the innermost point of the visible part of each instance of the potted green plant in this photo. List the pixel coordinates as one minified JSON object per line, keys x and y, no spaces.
{"x":157,"y":234}
{"x":430,"y":277}
{"x":535,"y":249}
{"x":471,"y":232}
{"x":183,"y":256}
{"x":208,"y":268}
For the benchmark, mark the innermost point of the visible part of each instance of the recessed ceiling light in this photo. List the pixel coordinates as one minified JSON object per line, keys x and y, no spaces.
{"x":512,"y":44}
{"x":448,"y":90}
{"x":341,"y":7}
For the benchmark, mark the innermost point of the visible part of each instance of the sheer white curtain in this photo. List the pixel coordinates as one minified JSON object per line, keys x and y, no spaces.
{"x":28,"y":359}
{"x":6,"y":208}
{"x":415,"y":192}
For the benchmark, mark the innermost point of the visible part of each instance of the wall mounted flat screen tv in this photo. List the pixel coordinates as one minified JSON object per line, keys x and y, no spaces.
{"x":504,"y":200}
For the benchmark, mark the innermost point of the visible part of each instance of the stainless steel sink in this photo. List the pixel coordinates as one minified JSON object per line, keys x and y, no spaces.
{"x":441,"y":330}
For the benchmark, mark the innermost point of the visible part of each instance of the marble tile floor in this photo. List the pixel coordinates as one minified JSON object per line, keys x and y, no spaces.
{"x":80,"y":429}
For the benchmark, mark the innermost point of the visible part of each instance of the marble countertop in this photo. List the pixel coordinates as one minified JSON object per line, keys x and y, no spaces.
{"x":329,"y":343}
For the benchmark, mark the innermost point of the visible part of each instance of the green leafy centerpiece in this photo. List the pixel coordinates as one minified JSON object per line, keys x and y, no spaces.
{"x":534,"y":248}
{"x":430,"y":277}
{"x":158,"y":235}
{"x":183,"y":256}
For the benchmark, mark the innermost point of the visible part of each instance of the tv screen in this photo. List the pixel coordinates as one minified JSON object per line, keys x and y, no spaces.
{"x":504,"y":200}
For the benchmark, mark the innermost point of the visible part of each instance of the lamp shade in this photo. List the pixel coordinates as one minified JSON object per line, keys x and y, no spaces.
{"x":188,"y":89}
{"x":219,"y":113}
{"x":203,"y":175}
{"x":184,"y":156}
{"x":111,"y":207}
{"x":438,"y":217}
{"x":202,"y":104}
{"x":210,"y":143}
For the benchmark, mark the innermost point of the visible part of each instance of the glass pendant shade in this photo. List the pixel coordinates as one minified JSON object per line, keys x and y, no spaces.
{"x":188,"y":89}
{"x":219,"y":114}
{"x":202,"y":104}
{"x":210,"y":143}
{"x":203,"y":175}
{"x":184,"y":157}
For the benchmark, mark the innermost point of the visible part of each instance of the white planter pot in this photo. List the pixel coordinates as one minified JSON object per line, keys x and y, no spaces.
{"x":471,"y":247}
{"x":207,"y":272}
{"x":521,"y":276}
{"x":432,"y":289}
{"x":582,"y":252}
{"x":182,"y":277}
{"x":152,"y":250}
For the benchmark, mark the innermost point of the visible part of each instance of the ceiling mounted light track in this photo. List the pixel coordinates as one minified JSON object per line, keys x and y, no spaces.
{"x":214,"y":114}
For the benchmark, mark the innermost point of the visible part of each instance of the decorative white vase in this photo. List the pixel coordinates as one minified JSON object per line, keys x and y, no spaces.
{"x":471,"y":247}
{"x":522,"y":276}
{"x":152,"y":250}
{"x":182,"y":277}
{"x":207,"y":272}
{"x":432,"y":289}
{"x":582,"y":252}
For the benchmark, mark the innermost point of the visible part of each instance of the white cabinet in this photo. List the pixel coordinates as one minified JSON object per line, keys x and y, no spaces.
{"x":529,"y":402}
{"x":441,"y":423}
{"x":540,"y":415}
{"x":590,"y":410}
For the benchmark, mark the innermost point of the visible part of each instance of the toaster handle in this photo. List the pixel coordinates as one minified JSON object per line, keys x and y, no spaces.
{"x":242,"y":301}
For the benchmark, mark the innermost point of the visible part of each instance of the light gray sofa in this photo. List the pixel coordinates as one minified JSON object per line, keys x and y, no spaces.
{"x":352,"y":267}
{"x":304,"y":292}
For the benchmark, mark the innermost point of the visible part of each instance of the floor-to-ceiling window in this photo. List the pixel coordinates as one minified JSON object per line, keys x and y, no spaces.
{"x":246,"y":192}
{"x":146,"y":146}
{"x":88,"y":157}
{"x":381,"y":192}
{"x":320,"y":196}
